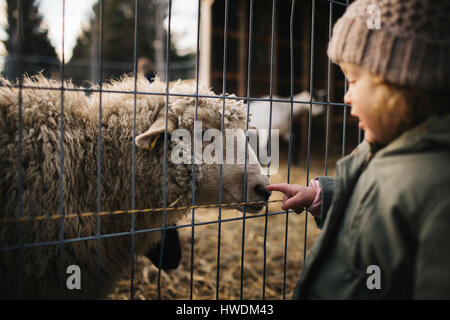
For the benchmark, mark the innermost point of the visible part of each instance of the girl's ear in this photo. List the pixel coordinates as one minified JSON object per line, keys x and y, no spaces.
{"x":147,"y":140}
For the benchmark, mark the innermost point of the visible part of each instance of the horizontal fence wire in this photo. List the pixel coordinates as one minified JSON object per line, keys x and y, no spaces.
{"x":142,"y":231}
{"x":172,"y":94}
{"x":76,"y":62}
{"x":125,"y":211}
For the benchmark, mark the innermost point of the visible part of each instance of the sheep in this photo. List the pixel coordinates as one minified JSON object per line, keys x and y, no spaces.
{"x":41,"y":276}
{"x":260,"y":115}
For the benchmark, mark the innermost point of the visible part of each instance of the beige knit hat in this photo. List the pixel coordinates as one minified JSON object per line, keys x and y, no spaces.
{"x":407,"y":42}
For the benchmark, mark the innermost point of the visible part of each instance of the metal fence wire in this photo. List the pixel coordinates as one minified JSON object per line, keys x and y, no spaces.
{"x":62,"y":216}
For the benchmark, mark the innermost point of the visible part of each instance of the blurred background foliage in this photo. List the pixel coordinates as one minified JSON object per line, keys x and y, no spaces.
{"x":104,"y":49}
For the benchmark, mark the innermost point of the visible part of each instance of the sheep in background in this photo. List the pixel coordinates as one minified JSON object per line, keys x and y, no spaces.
{"x":260,"y":115}
{"x":41,"y":276}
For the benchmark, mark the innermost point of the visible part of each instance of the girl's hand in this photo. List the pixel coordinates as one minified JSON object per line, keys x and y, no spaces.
{"x":296,"y":197}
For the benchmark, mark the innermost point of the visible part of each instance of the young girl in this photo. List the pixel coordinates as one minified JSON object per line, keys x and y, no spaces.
{"x":385,"y":218}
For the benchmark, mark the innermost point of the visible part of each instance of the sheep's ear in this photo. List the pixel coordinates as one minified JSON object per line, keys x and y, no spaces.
{"x":148,"y":139}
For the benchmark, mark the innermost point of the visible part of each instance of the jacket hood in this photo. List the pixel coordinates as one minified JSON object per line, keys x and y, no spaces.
{"x":433,"y":134}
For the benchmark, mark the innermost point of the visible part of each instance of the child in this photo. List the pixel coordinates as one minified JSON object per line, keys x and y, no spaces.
{"x":385,"y":218}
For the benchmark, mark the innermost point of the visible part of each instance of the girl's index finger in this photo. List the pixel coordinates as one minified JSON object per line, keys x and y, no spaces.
{"x":282,"y":187}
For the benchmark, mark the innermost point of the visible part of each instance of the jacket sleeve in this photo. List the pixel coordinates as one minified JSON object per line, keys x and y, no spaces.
{"x":432,"y":272}
{"x":327,"y":185}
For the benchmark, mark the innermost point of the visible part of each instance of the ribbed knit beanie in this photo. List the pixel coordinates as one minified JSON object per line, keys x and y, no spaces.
{"x":407,"y":42}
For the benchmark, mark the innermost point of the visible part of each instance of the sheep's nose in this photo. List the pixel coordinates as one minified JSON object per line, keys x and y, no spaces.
{"x":261,"y":191}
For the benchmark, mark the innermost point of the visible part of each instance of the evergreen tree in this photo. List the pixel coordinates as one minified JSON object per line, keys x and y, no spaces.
{"x":119,"y":38}
{"x":29,"y":49}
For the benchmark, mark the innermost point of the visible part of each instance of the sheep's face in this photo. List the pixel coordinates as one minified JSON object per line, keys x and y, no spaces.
{"x":238,"y":176}
{"x":220,"y":178}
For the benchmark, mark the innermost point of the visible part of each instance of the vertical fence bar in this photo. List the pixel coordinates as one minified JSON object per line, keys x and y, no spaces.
{"x":249,"y":75}
{"x":133,"y":150}
{"x":20,"y":194}
{"x":311,"y":88}
{"x":61,"y":164}
{"x":19,"y":146}
{"x":360,"y":135}
{"x":163,"y":242}
{"x":360,"y":132}
{"x":222,"y":129}
{"x":291,"y":48}
{"x":99,"y":144}
{"x":330,"y":22}
{"x":197,"y":67}
{"x":344,"y":123}
{"x":269,"y":151}
{"x":344,"y":138}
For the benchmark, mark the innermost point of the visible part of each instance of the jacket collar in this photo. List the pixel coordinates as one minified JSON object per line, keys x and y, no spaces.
{"x":350,"y":167}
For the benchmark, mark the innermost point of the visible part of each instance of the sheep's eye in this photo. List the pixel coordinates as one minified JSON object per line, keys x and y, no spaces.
{"x":161,"y":139}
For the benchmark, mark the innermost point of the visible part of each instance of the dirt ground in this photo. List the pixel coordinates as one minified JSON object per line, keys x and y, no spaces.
{"x":176,"y":284}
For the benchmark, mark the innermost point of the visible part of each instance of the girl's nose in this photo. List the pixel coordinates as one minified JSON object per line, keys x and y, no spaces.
{"x":347,"y":97}
{"x":348,"y":100}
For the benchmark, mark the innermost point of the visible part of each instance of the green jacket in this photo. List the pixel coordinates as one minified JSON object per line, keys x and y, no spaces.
{"x":388,"y":208}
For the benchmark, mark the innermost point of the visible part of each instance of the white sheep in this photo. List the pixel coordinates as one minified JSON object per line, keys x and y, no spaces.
{"x":260,"y":116}
{"x":41,"y":276}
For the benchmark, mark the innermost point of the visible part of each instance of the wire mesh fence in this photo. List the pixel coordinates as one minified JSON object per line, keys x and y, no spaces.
{"x":38,"y":244}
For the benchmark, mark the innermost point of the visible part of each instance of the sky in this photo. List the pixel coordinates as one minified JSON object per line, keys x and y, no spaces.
{"x":78,"y":13}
